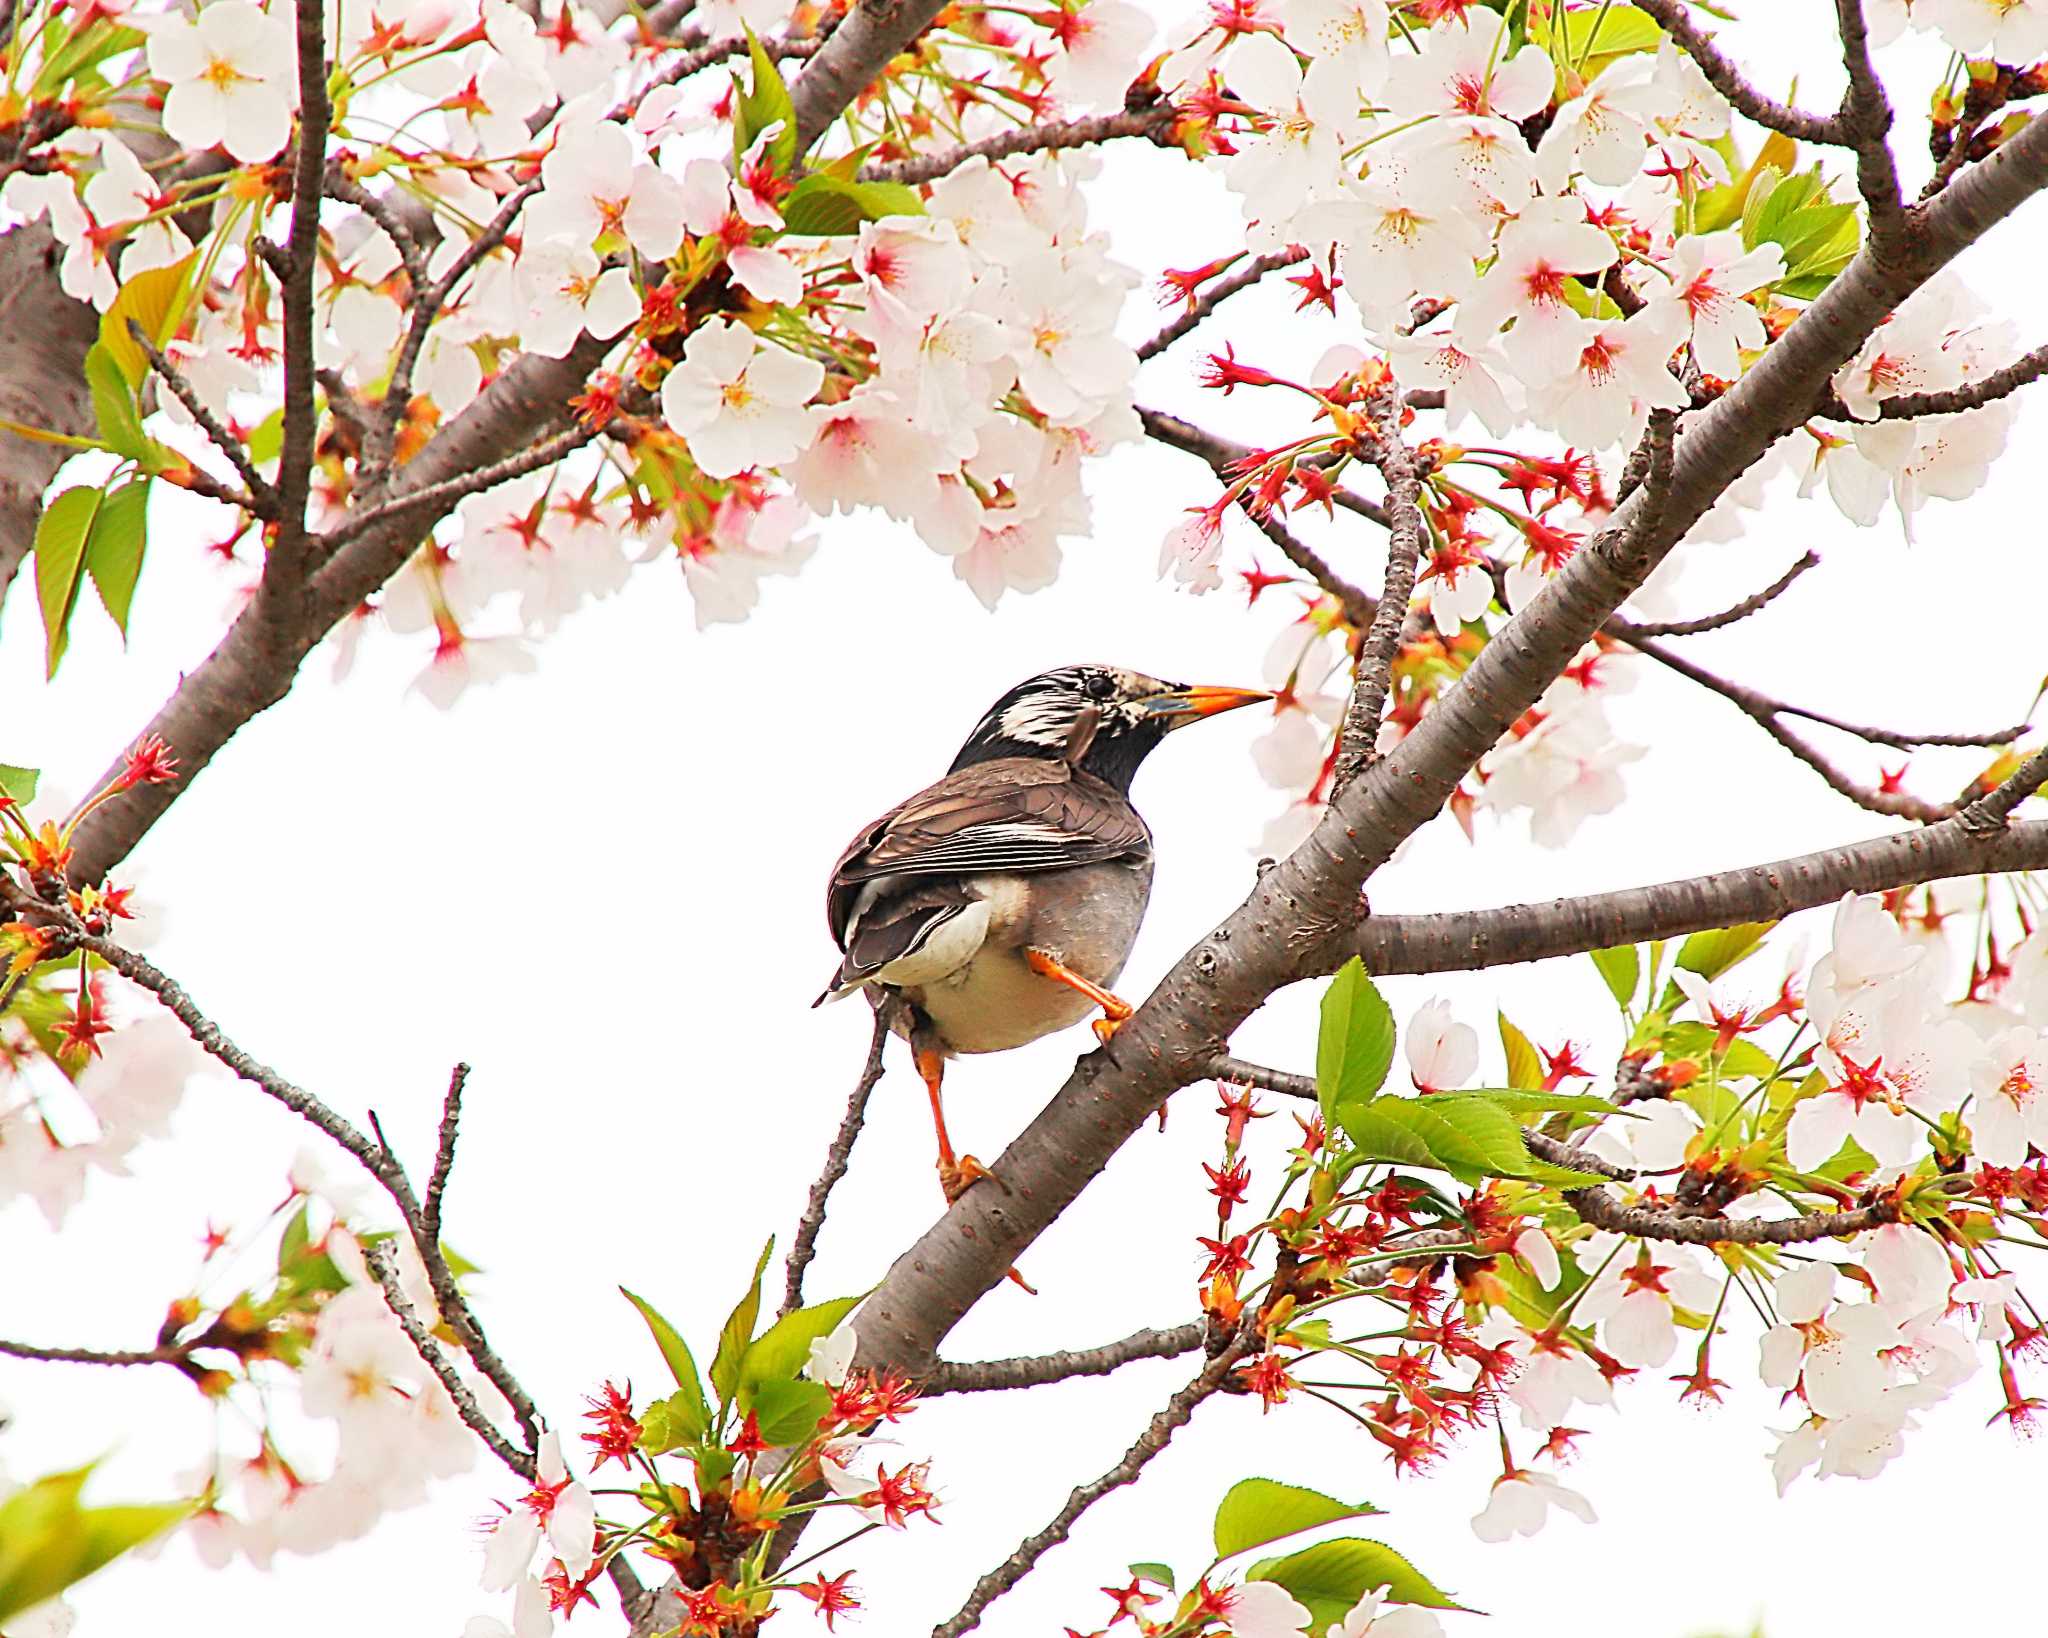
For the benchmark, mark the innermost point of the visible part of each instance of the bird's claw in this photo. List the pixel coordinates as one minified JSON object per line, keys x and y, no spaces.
{"x":1105,"y":1027}
{"x":956,"y":1177}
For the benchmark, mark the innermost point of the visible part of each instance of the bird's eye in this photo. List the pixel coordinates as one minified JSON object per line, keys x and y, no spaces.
{"x":1099,"y":687}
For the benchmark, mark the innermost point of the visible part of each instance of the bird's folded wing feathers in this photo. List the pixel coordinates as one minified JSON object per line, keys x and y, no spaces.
{"x":1014,"y":814}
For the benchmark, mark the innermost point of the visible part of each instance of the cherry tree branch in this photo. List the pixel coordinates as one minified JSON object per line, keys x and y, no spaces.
{"x":1303,"y":915}
{"x":1639,"y":629}
{"x":1219,"y":291}
{"x":284,"y":569}
{"x":444,"y":1154}
{"x":1357,"y":739}
{"x":1866,"y":120}
{"x":859,"y":48}
{"x":1158,"y":1433}
{"x":169,"y":1354}
{"x":2022,"y":371}
{"x":1151,"y":122}
{"x":1036,"y":1370}
{"x":1600,"y":1208}
{"x":805,"y":1246}
{"x":1726,"y":78}
{"x":262,"y":499}
{"x":1225,"y":456}
{"x":1470,"y":940}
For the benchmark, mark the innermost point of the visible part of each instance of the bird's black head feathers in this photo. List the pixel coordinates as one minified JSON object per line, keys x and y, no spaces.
{"x":1102,"y":718}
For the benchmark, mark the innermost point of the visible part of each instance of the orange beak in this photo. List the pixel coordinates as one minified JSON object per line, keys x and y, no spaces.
{"x":1185,"y":705}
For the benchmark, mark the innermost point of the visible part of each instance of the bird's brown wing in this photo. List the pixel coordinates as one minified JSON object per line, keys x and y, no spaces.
{"x":1011,"y":814}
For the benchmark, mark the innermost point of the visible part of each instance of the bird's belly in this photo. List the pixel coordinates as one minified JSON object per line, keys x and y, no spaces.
{"x":1086,"y":918}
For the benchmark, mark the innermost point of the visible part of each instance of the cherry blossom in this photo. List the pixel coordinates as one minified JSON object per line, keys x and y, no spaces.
{"x":1399,"y":242}
{"x":2011,"y":1108}
{"x":1600,"y":132}
{"x":1544,"y":247}
{"x":739,"y":400}
{"x":1102,"y":45}
{"x":1347,"y":39}
{"x":568,"y":291}
{"x":1296,"y":159}
{"x":596,"y":187}
{"x":1260,"y":1609}
{"x":1710,"y":274}
{"x":1371,"y":1617}
{"x":1522,"y":1501}
{"x":2009,"y":31}
{"x":1441,"y":1051}
{"x":1830,"y":1350}
{"x":230,"y":76}
{"x":1633,"y":1298}
{"x":1474,"y":383}
{"x":1606,"y":395}
{"x":558,"y":1510}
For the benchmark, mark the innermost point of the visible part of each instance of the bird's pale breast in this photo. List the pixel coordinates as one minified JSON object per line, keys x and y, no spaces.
{"x":1087,"y":918}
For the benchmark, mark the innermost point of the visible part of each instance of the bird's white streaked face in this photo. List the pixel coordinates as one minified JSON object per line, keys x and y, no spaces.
{"x":1044,"y":714}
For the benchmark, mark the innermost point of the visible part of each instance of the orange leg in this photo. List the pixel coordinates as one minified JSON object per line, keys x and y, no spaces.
{"x":957,"y":1173}
{"x":1115,"y":1009}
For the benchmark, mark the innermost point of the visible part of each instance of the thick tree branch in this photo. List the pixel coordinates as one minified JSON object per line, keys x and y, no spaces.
{"x":1151,"y":122}
{"x":805,"y":1246}
{"x":1639,"y":629}
{"x":1302,"y":916}
{"x":1036,"y":1370}
{"x":847,"y":63}
{"x":1726,"y":78}
{"x":1469,"y":940}
{"x":1149,"y":1444}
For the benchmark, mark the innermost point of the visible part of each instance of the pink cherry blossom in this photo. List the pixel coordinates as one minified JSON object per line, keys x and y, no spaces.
{"x":1620,"y":375}
{"x":595,"y":186}
{"x":1540,"y":251}
{"x":1710,"y":274}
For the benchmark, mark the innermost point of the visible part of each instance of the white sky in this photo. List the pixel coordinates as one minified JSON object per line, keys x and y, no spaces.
{"x":602,"y":886}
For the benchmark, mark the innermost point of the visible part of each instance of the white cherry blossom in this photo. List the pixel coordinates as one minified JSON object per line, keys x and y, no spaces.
{"x":1101,"y":47}
{"x":2011,"y":1108}
{"x":1548,"y":244}
{"x":231,"y":78}
{"x":1522,"y":1502}
{"x":1441,"y":1051}
{"x":1261,"y":1609}
{"x":594,"y":186}
{"x":1710,"y":274}
{"x":738,"y":400}
{"x":1620,"y":375}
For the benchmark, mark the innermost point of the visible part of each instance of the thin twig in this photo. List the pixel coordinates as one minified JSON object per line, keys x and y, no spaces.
{"x":1149,"y":1444}
{"x":175,"y":1354}
{"x":2022,"y":371}
{"x":1598,"y":1207}
{"x":1152,"y":122}
{"x":1727,"y":79}
{"x":1991,"y":812}
{"x":444,"y":1153}
{"x":805,"y":1246}
{"x":342,"y":186}
{"x":378,"y":1255}
{"x":545,"y":453}
{"x":1866,"y":119}
{"x":1036,"y":1370}
{"x":1219,"y":291}
{"x":261,"y":494}
{"x":1728,"y":616}
{"x":1227,"y":457}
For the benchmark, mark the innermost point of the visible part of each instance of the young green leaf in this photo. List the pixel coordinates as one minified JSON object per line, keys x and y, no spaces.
{"x":1332,"y":1576}
{"x":113,"y":404}
{"x":19,"y":784}
{"x":694,"y":1411}
{"x":1518,"y":1102}
{"x":1470,"y":1136}
{"x":113,"y":552}
{"x":680,"y":1419}
{"x":1355,"y":1044}
{"x":780,"y":1352}
{"x":1525,"y":1068}
{"x":763,"y":104}
{"x":738,"y":1333}
{"x":155,"y":300}
{"x":49,"y":1541}
{"x":1257,"y":1511}
{"x":788,"y":1412}
{"x":1621,"y":969}
{"x":1160,"y":1575}
{"x":829,"y":205}
{"x":61,"y":534}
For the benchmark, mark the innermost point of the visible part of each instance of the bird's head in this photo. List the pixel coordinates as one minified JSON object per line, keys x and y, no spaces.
{"x":1099,"y":717}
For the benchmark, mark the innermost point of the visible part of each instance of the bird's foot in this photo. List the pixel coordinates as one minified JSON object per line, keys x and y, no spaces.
{"x":956,"y":1177}
{"x":1105,"y":1027}
{"x":1017,"y":1279}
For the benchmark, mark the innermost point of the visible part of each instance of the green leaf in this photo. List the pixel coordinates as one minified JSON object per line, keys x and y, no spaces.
{"x":694,"y":1411}
{"x":737,"y":1334}
{"x":781,"y":1351}
{"x":764,"y":103}
{"x":1525,"y":1068}
{"x":680,"y":1419}
{"x":1333,"y":1575}
{"x":1621,"y":969}
{"x":48,"y":1541}
{"x":1355,"y":1044}
{"x":1470,"y":1136}
{"x":292,"y":1244}
{"x":1607,"y":32}
{"x":113,"y":405}
{"x":1518,"y":1102}
{"x":155,"y":300}
{"x":113,"y":553}
{"x":1258,"y":1511}
{"x":830,"y":205}
{"x":788,"y":1412}
{"x":84,"y":50}
{"x":61,"y":534}
{"x":1160,"y":1575}
{"x":19,"y":783}
{"x":1696,"y":1041}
